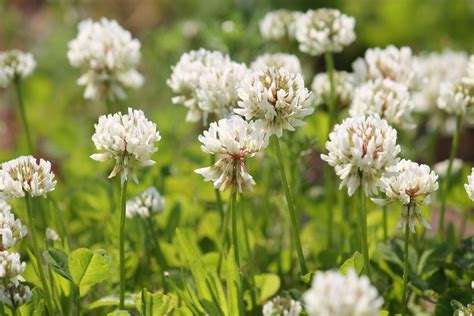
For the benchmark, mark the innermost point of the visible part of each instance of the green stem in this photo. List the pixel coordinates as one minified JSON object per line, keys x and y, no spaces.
{"x":444,"y":193}
{"x":385,"y":223}
{"x":235,"y":241}
{"x":405,"y":267}
{"x":328,"y":58}
{"x":291,"y":210}
{"x":78,"y":301}
{"x":363,"y":231}
{"x":329,"y":203}
{"x":21,"y":106}
{"x":220,"y":205}
{"x":156,"y":244}
{"x":36,"y":251}
{"x":123,"y":200}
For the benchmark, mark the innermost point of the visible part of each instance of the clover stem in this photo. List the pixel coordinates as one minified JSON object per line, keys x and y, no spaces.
{"x":21,"y":106}
{"x":405,"y":265}
{"x":385,"y":223}
{"x":233,"y":212}
{"x":123,"y":199}
{"x":363,"y":230}
{"x":220,"y":206}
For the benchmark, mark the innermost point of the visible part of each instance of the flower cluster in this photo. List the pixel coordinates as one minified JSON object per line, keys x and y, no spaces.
{"x":387,"y":98}
{"x":278,"y":60}
{"x":128,"y":138}
{"x":361,"y":149}
{"x":233,"y":140}
{"x":389,"y":63}
{"x":206,"y":83}
{"x":11,"y":267}
{"x":344,"y":88}
{"x":279,"y":24}
{"x":282,"y":306}
{"x":324,"y":30}
{"x":275,"y":97}
{"x":25,"y":175}
{"x":146,"y":204}
{"x":110,"y":55}
{"x":333,"y":293}
{"x":11,"y":228}
{"x":456,"y":98}
{"x":15,"y":295}
{"x":15,"y":64}
{"x":411,"y":184}
{"x":469,"y":186}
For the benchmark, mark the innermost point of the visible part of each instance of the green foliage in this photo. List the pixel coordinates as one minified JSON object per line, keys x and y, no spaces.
{"x":88,"y":268}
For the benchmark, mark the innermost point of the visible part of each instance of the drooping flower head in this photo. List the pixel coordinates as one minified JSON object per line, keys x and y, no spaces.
{"x":282,"y":306}
{"x":146,"y":204}
{"x":11,"y":228}
{"x":15,"y":64}
{"x":361,"y":149}
{"x":26,"y":175}
{"x":324,"y":30}
{"x":333,"y":293}
{"x":110,"y":56}
{"x":344,"y":88}
{"x":206,"y":83}
{"x":233,"y":140}
{"x":11,"y":267}
{"x":389,"y":63}
{"x":279,"y":24}
{"x":128,"y":138}
{"x":276,"y":98}
{"x":15,"y":295}
{"x":469,"y":186}
{"x":411,"y":184}
{"x":387,"y":98}
{"x":277,"y":60}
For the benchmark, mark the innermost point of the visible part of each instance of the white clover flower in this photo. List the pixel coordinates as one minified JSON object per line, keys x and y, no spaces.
{"x":333,"y":293}
{"x":361,"y":149}
{"x":233,"y":140}
{"x":411,"y":184}
{"x":469,"y":186}
{"x":15,"y":295}
{"x":146,"y":204}
{"x":128,"y":138}
{"x":206,"y":82}
{"x":469,"y":78}
{"x":387,"y":98}
{"x":282,"y":306}
{"x":276,"y":97}
{"x":110,"y":56}
{"x":11,"y":267}
{"x":15,"y":64}
{"x":279,"y":24}
{"x":344,"y":88}
{"x":51,"y":234}
{"x":389,"y":63}
{"x":24,"y":175}
{"x":11,"y":228}
{"x":436,"y":69}
{"x":456,"y":98}
{"x":278,"y":60}
{"x":324,"y":30}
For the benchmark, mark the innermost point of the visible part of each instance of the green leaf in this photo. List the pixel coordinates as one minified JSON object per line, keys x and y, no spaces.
{"x":154,"y":303}
{"x":119,"y":313}
{"x":356,"y":263}
{"x":113,"y":300}
{"x":234,"y":291}
{"x":58,"y":260}
{"x":461,"y":295}
{"x":88,"y":268}
{"x":267,"y":284}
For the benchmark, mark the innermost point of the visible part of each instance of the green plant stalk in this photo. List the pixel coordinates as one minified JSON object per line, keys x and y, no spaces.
{"x":385,"y":223}
{"x":15,"y":311}
{"x":34,"y":239}
{"x":363,"y":231}
{"x":123,"y":200}
{"x":405,"y":267}
{"x":291,"y":209}
{"x":21,"y":106}
{"x":220,"y":205}
{"x":233,"y":211}
{"x":330,"y":203}
{"x":78,"y":301}
{"x":156,"y":244}
{"x":444,"y":193}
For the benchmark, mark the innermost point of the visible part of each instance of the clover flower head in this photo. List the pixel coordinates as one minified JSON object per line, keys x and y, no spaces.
{"x":26,"y":175}
{"x":282,"y":306}
{"x":233,"y":140}
{"x":324,"y":30}
{"x":333,"y":293}
{"x":15,"y":64}
{"x":344,"y":88}
{"x":206,"y":82}
{"x":278,"y":60}
{"x":11,"y":228}
{"x":456,"y":98}
{"x":11,"y":267}
{"x":15,"y":295}
{"x":279,"y":24}
{"x":397,"y":64}
{"x":275,"y":97}
{"x":128,"y":138}
{"x":387,"y":98}
{"x":110,"y":56}
{"x":361,"y":149}
{"x":51,"y":234}
{"x":146,"y":204}
{"x":469,"y":78}
{"x":469,"y":186}
{"x":412,"y":184}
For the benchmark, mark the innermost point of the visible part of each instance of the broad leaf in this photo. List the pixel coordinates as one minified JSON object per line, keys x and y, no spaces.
{"x":356,"y":263}
{"x":58,"y":260}
{"x":88,"y":268}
